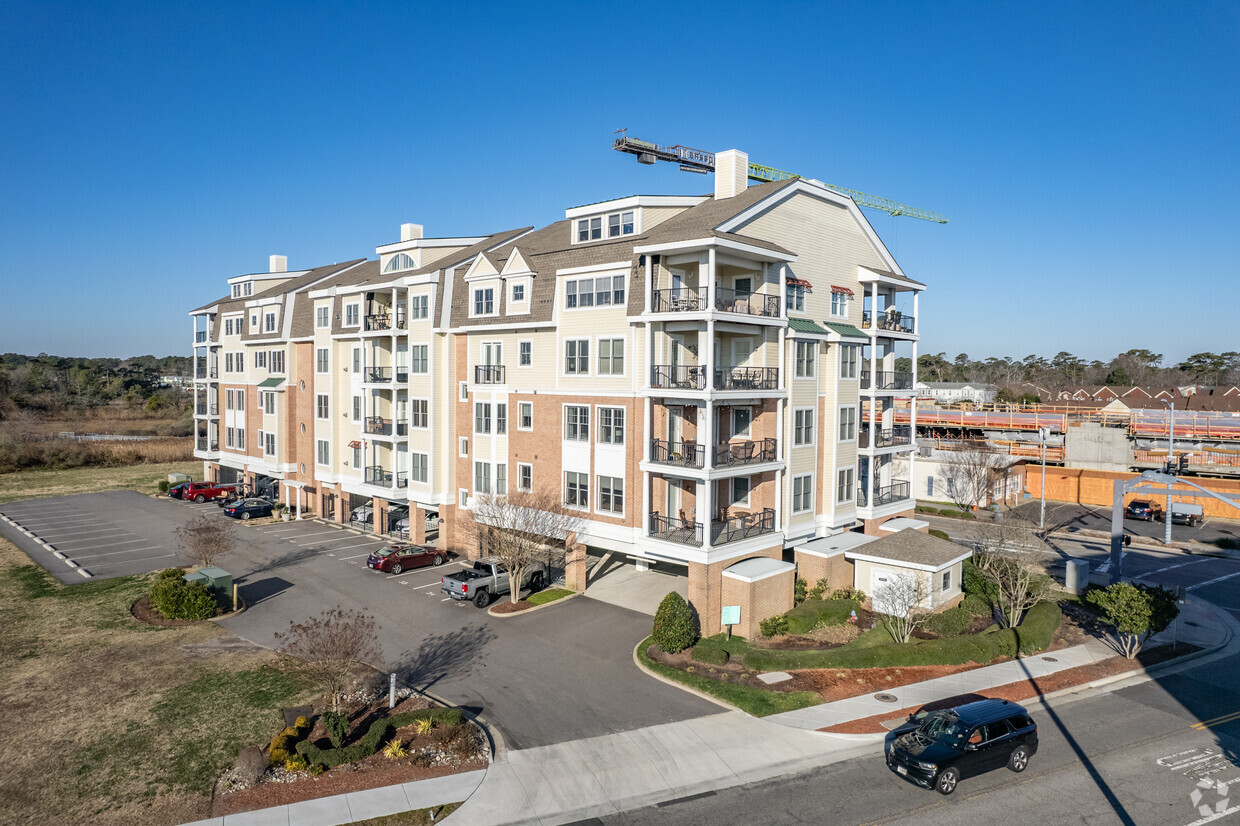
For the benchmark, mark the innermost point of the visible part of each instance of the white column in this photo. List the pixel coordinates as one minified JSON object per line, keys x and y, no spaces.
{"x":649,"y":282}
{"x":710,"y":277}
{"x":706,"y":429}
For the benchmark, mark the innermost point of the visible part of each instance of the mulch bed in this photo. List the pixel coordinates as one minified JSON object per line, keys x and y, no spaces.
{"x":509,"y":607}
{"x":143,"y":611}
{"x":372,"y":772}
{"x":1024,"y":689}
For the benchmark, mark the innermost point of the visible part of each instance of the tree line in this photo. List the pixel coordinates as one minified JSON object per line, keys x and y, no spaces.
{"x":56,"y":384}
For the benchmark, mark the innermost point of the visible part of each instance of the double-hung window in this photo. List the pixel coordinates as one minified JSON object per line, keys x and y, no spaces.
{"x":848,"y":424}
{"x":839,"y":303}
{"x":417,"y":466}
{"x":260,"y":358}
{"x":611,"y":425}
{"x":269,"y":323}
{"x":482,"y":477}
{"x":848,"y":361}
{"x":794,"y":298}
{"x":482,"y":417}
{"x":620,"y":223}
{"x":419,"y":412}
{"x":806,"y":351}
{"x":518,"y":292}
{"x":611,"y":357}
{"x":501,"y":479}
{"x":276,"y":362}
{"x":525,"y":353}
{"x":322,"y":316}
{"x":576,"y":422}
{"x":611,"y":494}
{"x":802,"y":493}
{"x":525,"y":415}
{"x":269,"y":404}
{"x":321,"y":409}
{"x":418,"y":359}
{"x":484,"y":301}
{"x":419,"y":307}
{"x":501,"y":419}
{"x":577,"y":489}
{"x":803,"y":426}
{"x":590,"y":229}
{"x":320,"y":360}
{"x":577,"y":357}
{"x":525,"y":476}
{"x":844,"y":486}
{"x":324,"y":452}
{"x":352,"y":315}
{"x":270,"y":448}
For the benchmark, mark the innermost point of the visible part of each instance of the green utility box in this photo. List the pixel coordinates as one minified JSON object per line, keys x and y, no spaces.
{"x":198,"y":577}
{"x":218,"y":581}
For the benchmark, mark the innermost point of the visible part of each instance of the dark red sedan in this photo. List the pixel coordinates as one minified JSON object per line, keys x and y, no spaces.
{"x":392,"y":559}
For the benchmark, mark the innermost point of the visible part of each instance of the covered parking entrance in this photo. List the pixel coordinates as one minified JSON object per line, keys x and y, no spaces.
{"x":638,"y":584}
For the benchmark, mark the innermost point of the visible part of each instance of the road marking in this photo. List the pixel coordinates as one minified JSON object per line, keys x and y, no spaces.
{"x":59,"y":521}
{"x":1180,"y":565}
{"x":1212,"y":581}
{"x":114,"y":553}
{"x":355,"y":556}
{"x":117,"y":532}
{"x":62,"y":543}
{"x":1223,"y":718}
{"x":1106,"y":566}
{"x":350,"y":547}
{"x":132,"y":561}
{"x":445,"y":599}
{"x":427,"y":585}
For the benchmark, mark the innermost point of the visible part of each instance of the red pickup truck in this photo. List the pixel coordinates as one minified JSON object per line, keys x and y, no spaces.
{"x":202,"y":491}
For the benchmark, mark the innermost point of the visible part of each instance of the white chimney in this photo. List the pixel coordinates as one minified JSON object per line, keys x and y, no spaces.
{"x":278,"y":263}
{"x":410,"y":232}
{"x":731,"y":173}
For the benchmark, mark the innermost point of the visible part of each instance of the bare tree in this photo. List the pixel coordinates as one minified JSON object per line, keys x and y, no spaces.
{"x":206,"y":539}
{"x":521,"y":529}
{"x":902,"y":604}
{"x":1009,"y":553}
{"x":970,"y":472}
{"x":330,"y":648}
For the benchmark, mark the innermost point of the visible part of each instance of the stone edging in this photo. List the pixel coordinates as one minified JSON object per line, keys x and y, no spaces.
{"x":637,"y":660}
{"x":532,"y":608}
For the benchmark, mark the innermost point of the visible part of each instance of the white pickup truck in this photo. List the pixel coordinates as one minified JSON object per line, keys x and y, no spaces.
{"x":488,"y":580}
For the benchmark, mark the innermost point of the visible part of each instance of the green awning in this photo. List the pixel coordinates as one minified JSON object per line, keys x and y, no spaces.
{"x":271,"y":382}
{"x":846,"y":331}
{"x":804,"y":325}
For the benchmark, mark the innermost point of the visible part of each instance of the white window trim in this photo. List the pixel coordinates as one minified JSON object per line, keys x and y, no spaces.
{"x":597,"y":357}
{"x":464,"y":391}
{"x":564,"y":490}
{"x":426,"y":361}
{"x":521,"y":465}
{"x":462,"y":446}
{"x":732,"y":500}
{"x":564,"y":422}
{"x":564,"y":359}
{"x":592,"y":277}
{"x":605,"y":217}
{"x":809,"y":477}
{"x":598,"y":496}
{"x":531,"y":427}
{"x":846,"y":299}
{"x":598,"y":424}
{"x":856,"y":418}
{"x":356,"y":306}
{"x":813,"y":347}
{"x":813,"y":430}
{"x":496,"y":294}
{"x":327,"y":415}
{"x":857,"y":364}
{"x":428,"y":414}
{"x":530,"y":342}
{"x":317,"y":444}
{"x":426,"y":464}
{"x":853,"y":484}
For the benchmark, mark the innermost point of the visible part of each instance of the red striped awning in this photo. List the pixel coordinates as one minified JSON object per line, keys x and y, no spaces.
{"x":355,"y":444}
{"x":800,"y":282}
{"x":838,"y":289}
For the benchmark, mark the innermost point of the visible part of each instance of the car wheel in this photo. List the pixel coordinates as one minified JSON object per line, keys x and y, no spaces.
{"x":946,"y":782}
{"x":438,"y":560}
{"x":1019,"y":759}
{"x":483,"y":599}
{"x":536,"y":582}
{"x":200,"y":498}
{"x":397,"y":568}
{"x":245,"y":515}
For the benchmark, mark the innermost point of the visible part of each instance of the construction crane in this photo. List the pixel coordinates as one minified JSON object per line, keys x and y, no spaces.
{"x":699,"y":161}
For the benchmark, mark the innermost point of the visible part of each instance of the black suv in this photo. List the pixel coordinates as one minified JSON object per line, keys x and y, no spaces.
{"x":938,"y":748}
{"x":1139,"y":509}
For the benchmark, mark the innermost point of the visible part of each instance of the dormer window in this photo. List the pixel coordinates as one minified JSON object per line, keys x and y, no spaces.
{"x":269,"y":323}
{"x":618,"y":224}
{"x":399,"y":261}
{"x":352,"y":315}
{"x":484,"y":301}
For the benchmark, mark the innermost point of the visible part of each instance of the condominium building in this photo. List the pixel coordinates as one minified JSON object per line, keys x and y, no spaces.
{"x":706,"y":379}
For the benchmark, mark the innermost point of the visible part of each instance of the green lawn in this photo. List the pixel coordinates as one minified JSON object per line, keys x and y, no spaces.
{"x":111,"y":721}
{"x":550,"y":595}
{"x":37,"y":484}
{"x":416,"y":817}
{"x":757,"y":701}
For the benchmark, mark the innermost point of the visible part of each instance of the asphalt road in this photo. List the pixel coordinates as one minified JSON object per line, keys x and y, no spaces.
{"x":1131,"y":756}
{"x":1089,"y":517}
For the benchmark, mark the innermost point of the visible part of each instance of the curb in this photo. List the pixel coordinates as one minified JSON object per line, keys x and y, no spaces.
{"x":682,"y":686}
{"x":532,"y":608}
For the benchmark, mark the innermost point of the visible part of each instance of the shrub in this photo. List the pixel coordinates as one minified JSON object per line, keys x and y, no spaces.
{"x":425,"y":726}
{"x":163,"y":485}
{"x":815,"y":612}
{"x":798,"y":591}
{"x":395,"y":749}
{"x":169,"y":573}
{"x":296,"y":763}
{"x":977,"y":605}
{"x":709,"y":655}
{"x":337,"y":726}
{"x":174,"y":598}
{"x":674,"y":629}
{"x":973,"y":583}
{"x":855,"y":594}
{"x":820,"y":587}
{"x":951,"y":622}
{"x":940,"y":534}
{"x":774,"y":626}
{"x":317,"y":769}
{"x":438,"y":716}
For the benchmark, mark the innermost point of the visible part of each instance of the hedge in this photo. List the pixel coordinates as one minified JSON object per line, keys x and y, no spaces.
{"x":814,"y":612}
{"x":1032,"y":635}
{"x":951,"y":622}
{"x":378,"y":733}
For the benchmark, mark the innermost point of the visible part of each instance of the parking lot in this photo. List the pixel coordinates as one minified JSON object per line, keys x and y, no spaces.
{"x":98,"y":535}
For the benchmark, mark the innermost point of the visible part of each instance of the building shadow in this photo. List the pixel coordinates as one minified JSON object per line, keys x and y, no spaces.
{"x":453,"y":655}
{"x":254,"y":592}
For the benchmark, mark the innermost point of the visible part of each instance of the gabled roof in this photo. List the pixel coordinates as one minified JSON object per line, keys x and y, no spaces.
{"x":909,"y":548}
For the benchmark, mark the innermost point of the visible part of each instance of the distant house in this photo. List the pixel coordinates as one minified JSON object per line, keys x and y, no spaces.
{"x":953,"y":392}
{"x":937,"y":477}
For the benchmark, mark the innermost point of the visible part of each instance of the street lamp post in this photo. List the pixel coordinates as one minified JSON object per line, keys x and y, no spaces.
{"x":1170,"y":466}
{"x":1043,"y":432}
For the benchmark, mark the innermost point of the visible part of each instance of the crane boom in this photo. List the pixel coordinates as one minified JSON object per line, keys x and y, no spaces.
{"x":700,"y":161}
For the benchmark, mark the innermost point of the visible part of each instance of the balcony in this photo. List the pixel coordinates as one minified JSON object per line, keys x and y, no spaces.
{"x":742,"y":526}
{"x":678,"y":377}
{"x":894,"y":492}
{"x":200,"y":336}
{"x":489,"y":374}
{"x":736,"y":454}
{"x":378,"y":374}
{"x":747,"y":378}
{"x":402,"y":479}
{"x":875,"y":437}
{"x":887,"y":380}
{"x":376,"y":475}
{"x":678,"y":300}
{"x":207,"y":372}
{"x":207,"y":410}
{"x":894,"y":322}
{"x":379,"y":322}
{"x":378,"y":426}
{"x":678,"y":454}
{"x":207,"y":444}
{"x":671,"y":529}
{"x":746,"y":303}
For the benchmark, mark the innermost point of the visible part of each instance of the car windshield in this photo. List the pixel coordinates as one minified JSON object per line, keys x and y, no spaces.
{"x":385,"y":552}
{"x":943,"y":729}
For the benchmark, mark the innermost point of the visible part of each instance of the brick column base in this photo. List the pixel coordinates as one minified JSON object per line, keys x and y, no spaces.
{"x":575,"y":567}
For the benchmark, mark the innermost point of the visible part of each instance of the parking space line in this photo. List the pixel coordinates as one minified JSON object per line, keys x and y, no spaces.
{"x":355,"y":556}
{"x":1179,"y":565}
{"x":130,"y":561}
{"x":101,"y":544}
{"x":351,"y":547}
{"x":76,"y":532}
{"x":114,"y":553}
{"x":87,"y":519}
{"x":317,"y":533}
{"x":427,"y":585}
{"x":1212,"y":581}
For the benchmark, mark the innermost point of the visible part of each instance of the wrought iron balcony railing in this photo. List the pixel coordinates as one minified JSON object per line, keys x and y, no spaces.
{"x":680,"y":454}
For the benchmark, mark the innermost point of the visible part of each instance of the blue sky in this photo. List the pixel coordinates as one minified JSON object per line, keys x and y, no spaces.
{"x":1086,"y":153}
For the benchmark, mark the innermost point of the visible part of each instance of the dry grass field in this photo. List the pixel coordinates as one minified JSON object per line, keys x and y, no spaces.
{"x":35,"y":484}
{"x":114,"y":419}
{"x":111,"y":721}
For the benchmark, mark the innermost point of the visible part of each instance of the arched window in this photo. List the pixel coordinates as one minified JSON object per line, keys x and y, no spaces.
{"x":399,"y":261}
